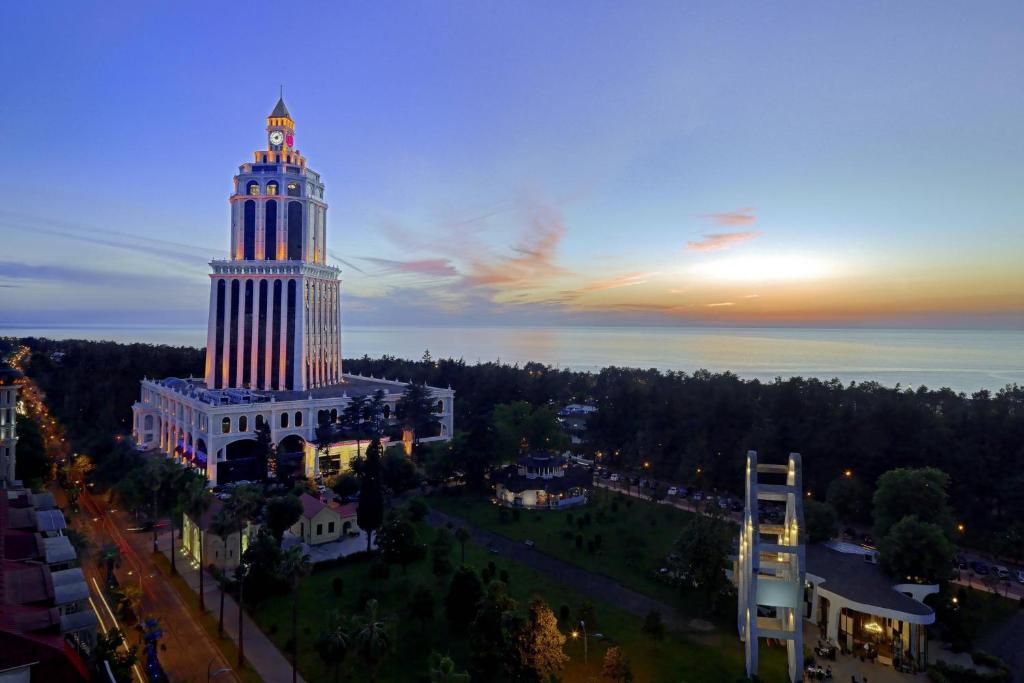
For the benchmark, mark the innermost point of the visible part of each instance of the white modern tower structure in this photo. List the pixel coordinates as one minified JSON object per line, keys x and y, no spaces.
{"x":273,"y":348}
{"x":770,"y":568}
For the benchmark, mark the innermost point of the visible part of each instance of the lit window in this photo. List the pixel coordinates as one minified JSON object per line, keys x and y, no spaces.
{"x":293,"y":189}
{"x":272,"y":187}
{"x":252,"y":187}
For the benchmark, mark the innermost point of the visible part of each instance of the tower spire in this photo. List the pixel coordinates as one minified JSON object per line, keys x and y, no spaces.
{"x":280,"y":110}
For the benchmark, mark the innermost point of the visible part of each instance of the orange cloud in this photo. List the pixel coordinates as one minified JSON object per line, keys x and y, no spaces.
{"x":534,"y":259}
{"x":722,"y":240}
{"x":438,"y":267}
{"x":733,"y":219}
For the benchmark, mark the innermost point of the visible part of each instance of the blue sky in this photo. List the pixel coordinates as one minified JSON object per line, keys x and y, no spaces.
{"x":543,"y":163}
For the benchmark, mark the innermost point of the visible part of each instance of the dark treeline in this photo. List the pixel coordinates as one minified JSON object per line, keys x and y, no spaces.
{"x":680,"y":423}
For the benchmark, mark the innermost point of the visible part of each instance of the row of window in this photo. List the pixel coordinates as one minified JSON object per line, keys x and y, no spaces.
{"x":243,"y":422}
{"x":253,"y":188}
{"x":293,"y":247}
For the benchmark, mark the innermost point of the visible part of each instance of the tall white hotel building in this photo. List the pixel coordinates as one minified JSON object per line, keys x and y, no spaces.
{"x":273,"y":348}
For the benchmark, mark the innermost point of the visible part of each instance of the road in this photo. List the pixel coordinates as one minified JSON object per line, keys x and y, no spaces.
{"x":190,"y":653}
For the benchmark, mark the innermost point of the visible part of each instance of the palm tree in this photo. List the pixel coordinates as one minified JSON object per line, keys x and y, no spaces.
{"x":244,"y":505}
{"x":334,"y":642}
{"x":294,"y":566}
{"x":462,"y":536}
{"x":222,"y":526}
{"x":372,"y":635}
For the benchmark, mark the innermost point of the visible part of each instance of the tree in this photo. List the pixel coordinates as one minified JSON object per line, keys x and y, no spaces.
{"x":819,"y":521}
{"x":262,"y":565}
{"x":849,"y":497}
{"x":538,"y":650}
{"x":916,"y":549}
{"x":334,"y":643}
{"x":702,"y":548}
{"x":370,"y":511}
{"x":615,"y":666}
{"x":519,"y":427}
{"x":266,"y":451}
{"x":372,"y":636}
{"x":492,"y":636}
{"x":398,"y":473}
{"x":461,"y":535}
{"x":417,"y":509}
{"x":294,"y":566}
{"x":421,"y":605}
{"x":463,"y":594}
{"x":654,"y":625}
{"x":242,"y":508}
{"x":442,"y":670}
{"x":281,"y":513}
{"x":111,"y":647}
{"x":345,"y":484}
{"x":32,"y":465}
{"x":325,"y":433}
{"x":903,"y":492}
{"x":441,"y":552}
{"x":222,"y":526}
{"x":415,"y":411}
{"x":398,"y":543}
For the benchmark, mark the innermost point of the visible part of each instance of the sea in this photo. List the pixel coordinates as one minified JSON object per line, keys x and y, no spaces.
{"x":962,"y":360}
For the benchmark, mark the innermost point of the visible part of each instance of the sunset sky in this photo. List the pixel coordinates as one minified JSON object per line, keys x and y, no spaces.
{"x":492,"y":163}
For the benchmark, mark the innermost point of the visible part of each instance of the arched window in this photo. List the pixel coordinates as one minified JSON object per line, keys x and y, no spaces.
{"x":270,"y":230}
{"x":147,"y":423}
{"x":298,"y":419}
{"x":243,"y":424}
{"x":225,"y":425}
{"x":387,"y":412}
{"x":272,"y":187}
{"x":249,"y":230}
{"x":334,"y":414}
{"x":322,"y":416}
{"x":295,"y":231}
{"x":293,"y":189}
{"x":284,"y":420}
{"x":439,"y":408}
{"x":252,"y":188}
{"x":259,"y":422}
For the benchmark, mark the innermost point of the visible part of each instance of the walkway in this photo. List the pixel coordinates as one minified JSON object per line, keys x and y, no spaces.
{"x":261,"y":654}
{"x":597,"y":586}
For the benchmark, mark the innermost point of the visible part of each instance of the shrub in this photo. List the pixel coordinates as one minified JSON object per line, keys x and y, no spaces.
{"x":568,"y":519}
{"x":417,"y":509}
{"x":379,"y":570}
{"x":515,"y":514}
{"x":504,"y":576}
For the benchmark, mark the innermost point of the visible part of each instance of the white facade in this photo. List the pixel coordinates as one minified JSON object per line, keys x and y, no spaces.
{"x":273,"y":351}
{"x":770,"y":568}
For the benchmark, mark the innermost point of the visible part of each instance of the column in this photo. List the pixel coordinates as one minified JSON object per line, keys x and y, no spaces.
{"x":254,"y":351}
{"x":268,"y":347}
{"x":284,"y":334}
{"x":832,"y":632}
{"x":240,"y":363}
{"x":225,"y":371}
{"x":211,"y":333}
{"x":299,"y":360}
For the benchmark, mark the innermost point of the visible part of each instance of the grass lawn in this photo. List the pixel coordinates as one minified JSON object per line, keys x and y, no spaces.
{"x":714,"y":657}
{"x":635,"y":535}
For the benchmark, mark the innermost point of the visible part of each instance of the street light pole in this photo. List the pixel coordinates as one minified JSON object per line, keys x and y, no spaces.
{"x":211,"y":675}
{"x":583,"y":625}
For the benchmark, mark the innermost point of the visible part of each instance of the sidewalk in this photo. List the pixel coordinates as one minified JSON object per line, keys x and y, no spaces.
{"x":261,"y":654}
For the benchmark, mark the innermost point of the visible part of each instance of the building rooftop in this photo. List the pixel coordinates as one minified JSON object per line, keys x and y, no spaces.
{"x":352,"y":386}
{"x":510,"y":478}
{"x":858,"y":580}
{"x":311,"y":505}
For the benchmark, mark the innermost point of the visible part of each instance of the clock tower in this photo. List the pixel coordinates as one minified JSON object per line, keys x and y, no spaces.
{"x":274,"y":305}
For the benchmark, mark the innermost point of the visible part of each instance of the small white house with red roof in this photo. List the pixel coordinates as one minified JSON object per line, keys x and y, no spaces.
{"x":322,"y":523}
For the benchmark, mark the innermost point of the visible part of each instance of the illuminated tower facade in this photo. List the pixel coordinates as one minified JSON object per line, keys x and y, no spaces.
{"x":274,"y":321}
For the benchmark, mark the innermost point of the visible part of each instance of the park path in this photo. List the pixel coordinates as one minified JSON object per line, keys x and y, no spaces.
{"x":596,"y":586}
{"x":261,"y":655}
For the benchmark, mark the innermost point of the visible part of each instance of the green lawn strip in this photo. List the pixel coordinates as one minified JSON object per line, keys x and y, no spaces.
{"x":635,"y":537}
{"x":713,"y":658}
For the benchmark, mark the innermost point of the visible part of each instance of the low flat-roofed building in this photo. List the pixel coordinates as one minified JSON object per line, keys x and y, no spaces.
{"x":542,"y":480}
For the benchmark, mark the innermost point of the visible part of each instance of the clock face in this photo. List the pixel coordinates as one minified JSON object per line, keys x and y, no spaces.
{"x":276,"y":138}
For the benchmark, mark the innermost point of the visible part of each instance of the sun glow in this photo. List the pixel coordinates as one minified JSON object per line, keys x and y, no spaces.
{"x":763,"y":269}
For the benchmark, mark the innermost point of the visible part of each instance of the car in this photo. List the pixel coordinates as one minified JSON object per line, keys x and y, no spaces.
{"x":1020,"y":576}
{"x":698,"y":496}
{"x":723,"y":503}
{"x":142,"y":447}
{"x":615,"y":477}
{"x":683,"y":492}
{"x":144,"y":526}
{"x":528,"y":543}
{"x":672,"y":491}
{"x":1001,"y":571}
{"x":980,"y":568}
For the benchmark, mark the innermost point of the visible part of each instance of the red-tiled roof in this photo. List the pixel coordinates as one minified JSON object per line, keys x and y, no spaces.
{"x":346,"y":510}
{"x":311,"y":506}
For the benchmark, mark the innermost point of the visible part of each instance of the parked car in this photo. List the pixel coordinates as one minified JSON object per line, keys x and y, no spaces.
{"x":528,"y":543}
{"x":672,"y":491}
{"x":144,"y":526}
{"x":980,"y":568}
{"x":723,"y":503}
{"x":1001,"y":571}
{"x":1020,"y":576}
{"x":142,"y":447}
{"x":615,"y":477}
{"x":698,"y":496}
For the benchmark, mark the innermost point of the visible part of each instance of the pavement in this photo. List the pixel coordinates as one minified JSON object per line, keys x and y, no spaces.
{"x":597,"y":586}
{"x":328,"y":551}
{"x":187,"y":652}
{"x":848,"y":668}
{"x":261,"y":655}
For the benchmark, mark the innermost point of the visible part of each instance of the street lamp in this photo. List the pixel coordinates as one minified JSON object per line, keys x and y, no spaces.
{"x":583,"y":625}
